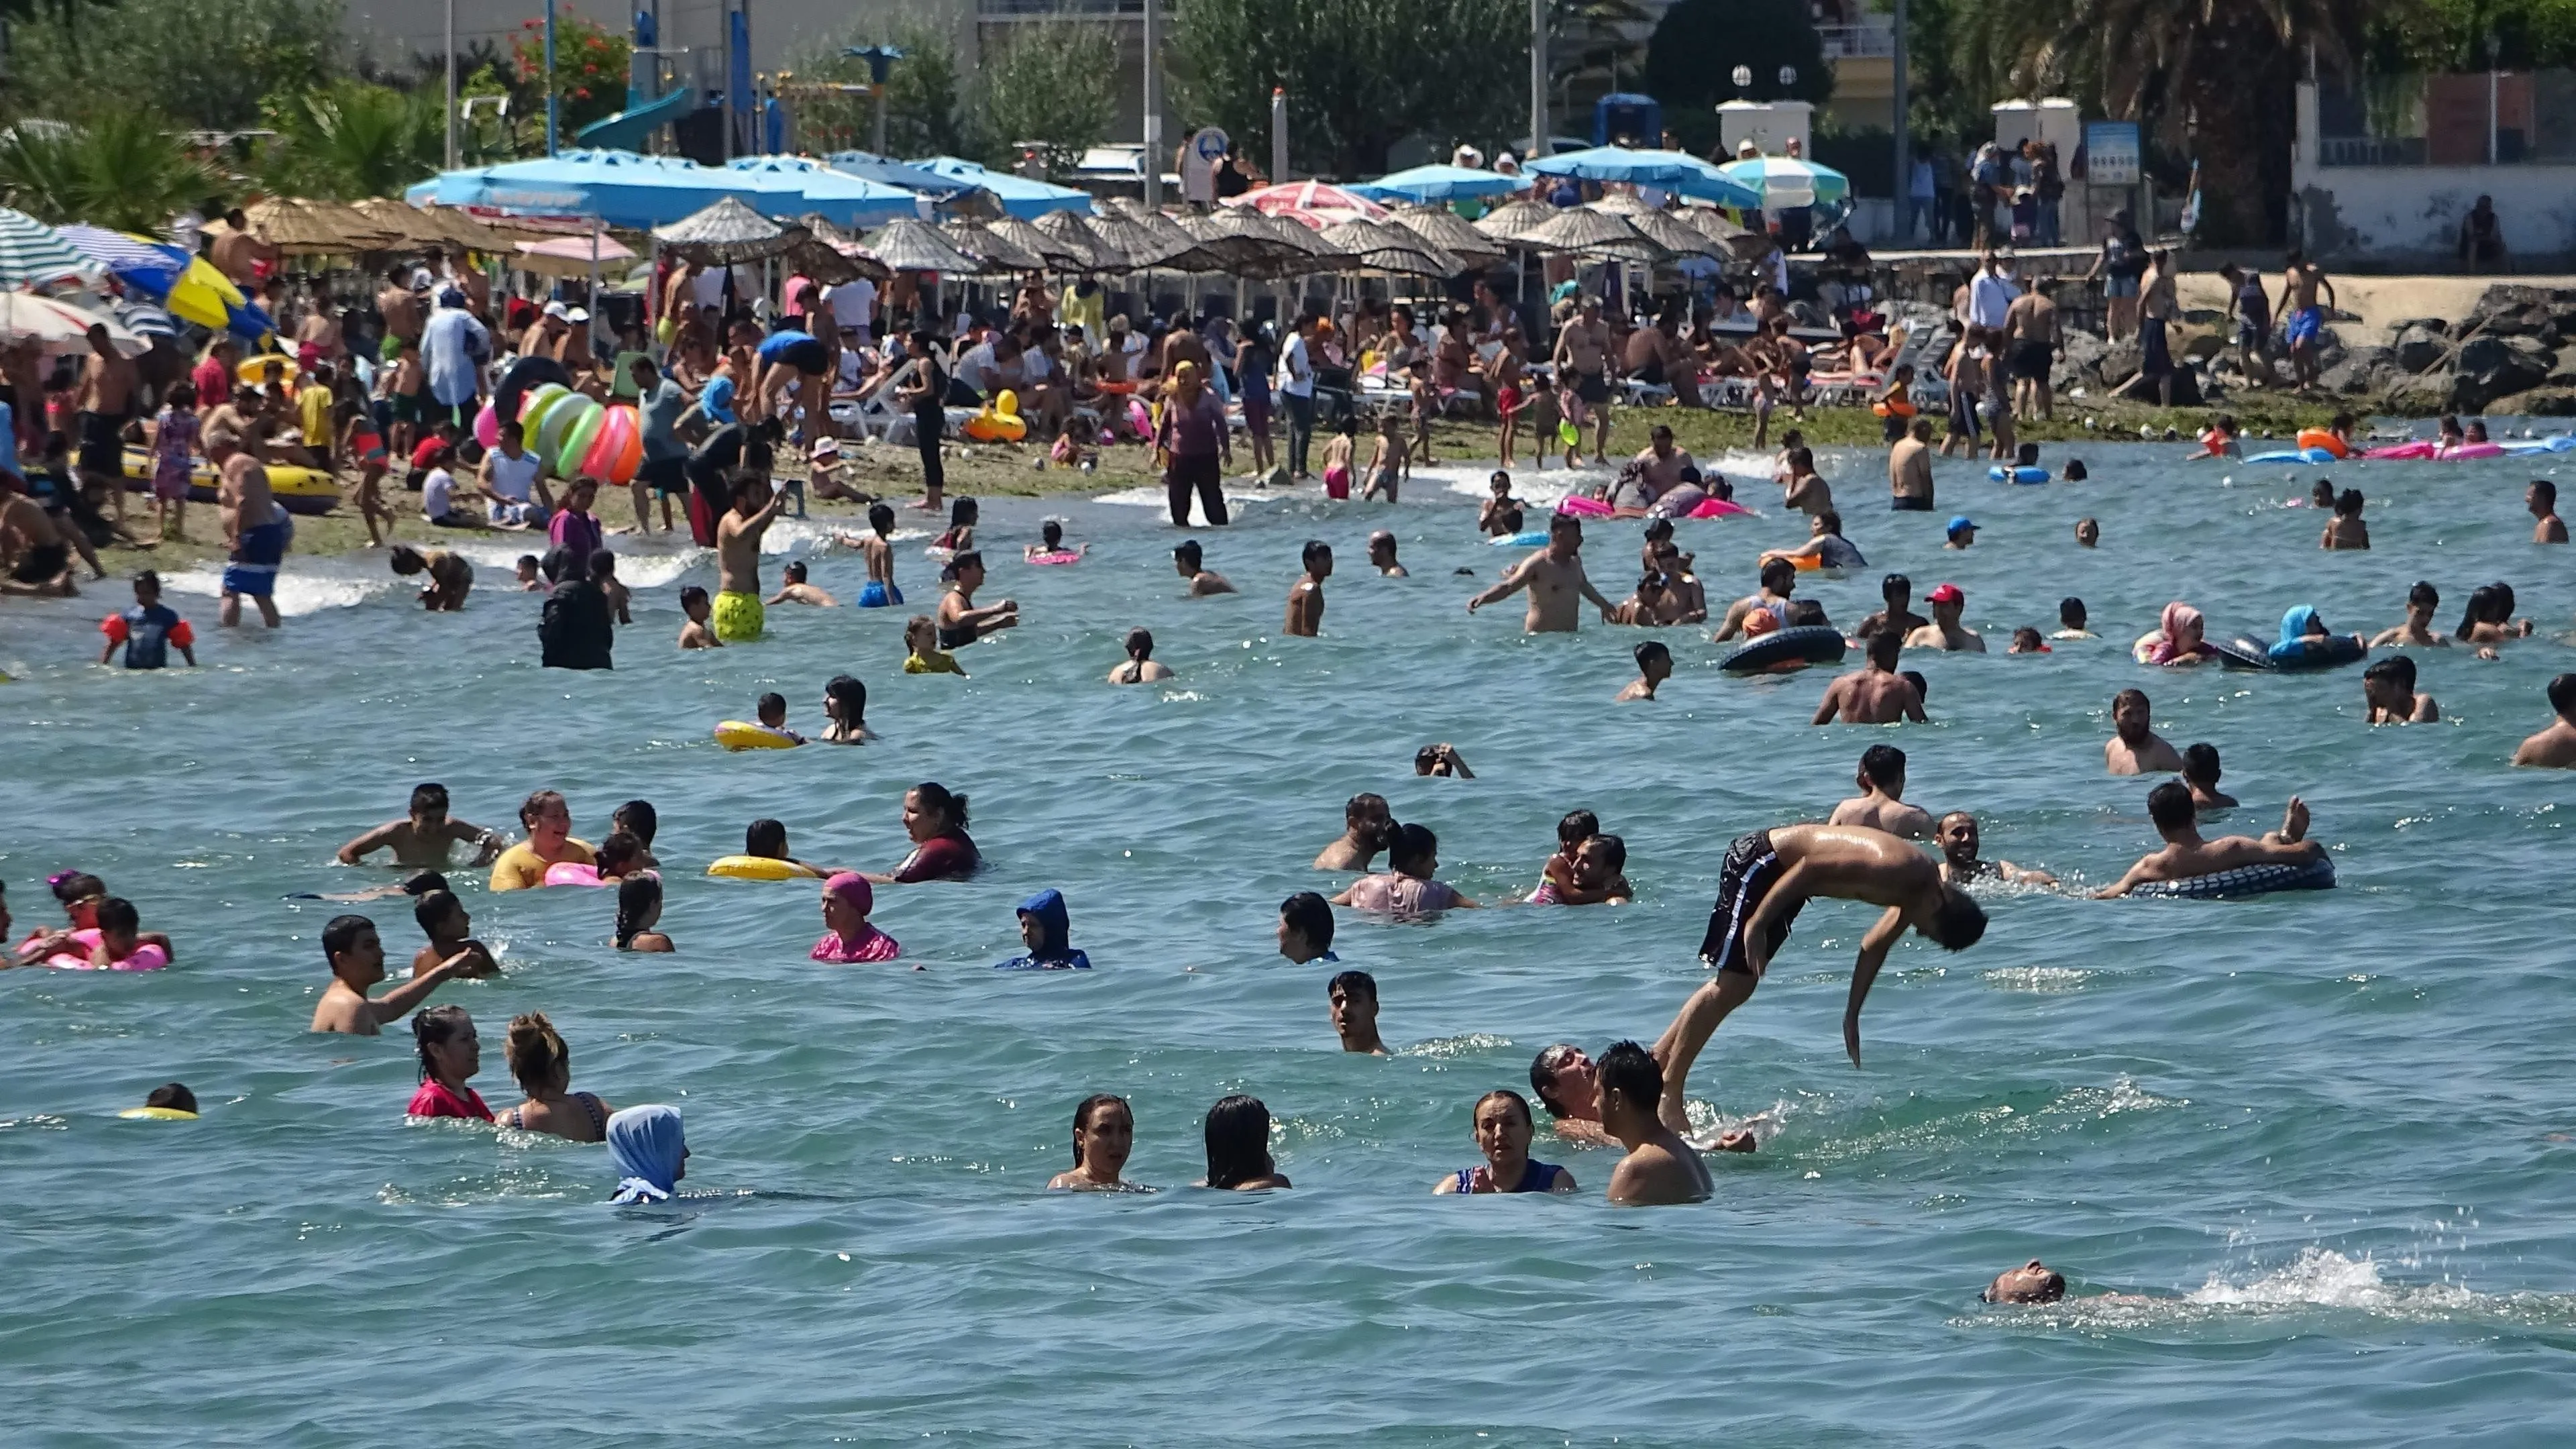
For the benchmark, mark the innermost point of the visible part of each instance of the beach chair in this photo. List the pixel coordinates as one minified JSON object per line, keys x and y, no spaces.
{"x":875,"y":415}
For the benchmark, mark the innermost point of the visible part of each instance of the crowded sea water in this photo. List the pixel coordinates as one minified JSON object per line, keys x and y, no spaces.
{"x":2287,"y":1163}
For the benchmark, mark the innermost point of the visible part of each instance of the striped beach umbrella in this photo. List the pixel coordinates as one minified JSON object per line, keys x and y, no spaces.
{"x":147,"y":321}
{"x":1785,"y":182}
{"x":33,"y":254}
{"x":157,"y":264}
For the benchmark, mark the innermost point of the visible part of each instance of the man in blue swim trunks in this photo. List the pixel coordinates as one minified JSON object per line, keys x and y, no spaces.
{"x":256,"y":530}
{"x":2186,"y":855}
{"x":2303,"y":321}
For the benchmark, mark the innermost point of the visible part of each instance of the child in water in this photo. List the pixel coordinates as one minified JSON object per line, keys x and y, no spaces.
{"x":1569,"y":878}
{"x":1337,"y":458}
{"x":773,"y":715}
{"x":1496,"y":508}
{"x":921,"y":637}
{"x":445,"y":921}
{"x":530,"y":580}
{"x":2346,"y":530}
{"x":639,"y":910}
{"x":1390,"y":461}
{"x":149,"y":630}
{"x":960,"y":535}
{"x":697,"y":633}
{"x":2026,"y":640}
{"x":1050,"y":546}
{"x":794,"y":589}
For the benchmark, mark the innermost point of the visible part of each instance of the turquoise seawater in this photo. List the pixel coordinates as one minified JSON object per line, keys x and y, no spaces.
{"x":2320,"y":1133}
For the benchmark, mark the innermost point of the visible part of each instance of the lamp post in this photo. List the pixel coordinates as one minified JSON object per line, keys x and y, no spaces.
{"x":553,"y":102}
{"x":880,"y":59}
{"x":1538,"y":145}
{"x":1904,"y":172}
{"x":1153,"y":105}
{"x":451,"y":85}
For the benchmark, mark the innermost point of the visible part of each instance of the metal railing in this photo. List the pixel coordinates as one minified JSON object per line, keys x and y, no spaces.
{"x":1005,"y":11}
{"x":1868,"y":38}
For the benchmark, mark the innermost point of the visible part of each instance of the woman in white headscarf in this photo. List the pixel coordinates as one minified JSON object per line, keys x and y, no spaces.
{"x":650,"y":1153}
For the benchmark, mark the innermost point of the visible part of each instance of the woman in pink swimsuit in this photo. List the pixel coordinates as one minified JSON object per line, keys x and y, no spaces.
{"x":1407,"y":888}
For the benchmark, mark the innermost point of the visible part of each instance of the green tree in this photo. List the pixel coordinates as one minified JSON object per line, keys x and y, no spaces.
{"x":1696,"y":47}
{"x":1051,"y":85}
{"x":926,"y":113}
{"x":204,"y":65}
{"x":1361,"y":75}
{"x":351,"y":140}
{"x":123,"y":170}
{"x":2214,"y":77}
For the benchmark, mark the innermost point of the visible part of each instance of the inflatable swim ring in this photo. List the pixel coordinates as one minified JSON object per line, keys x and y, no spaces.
{"x":1807,"y":644}
{"x":2002,"y":474}
{"x":1718,"y":508}
{"x":254,"y":370}
{"x":2559,"y":443}
{"x":2311,"y":439}
{"x":572,"y":873}
{"x":2245,"y":880}
{"x":733,"y":734}
{"x":2467,"y":451}
{"x":758,"y":867}
{"x":1582,"y":507}
{"x":146,"y":957}
{"x":156,"y":1114}
{"x":2420,"y":448}
{"x":2338,"y":650}
{"x":1892,"y":408}
{"x":992,"y":427}
{"x":1528,"y":538}
{"x":2294,"y":456}
{"x":1060,"y":556}
{"x":298,"y":490}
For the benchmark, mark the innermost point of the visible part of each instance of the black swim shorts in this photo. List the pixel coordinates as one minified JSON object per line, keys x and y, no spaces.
{"x":1752,"y":867}
{"x":1592,"y":387}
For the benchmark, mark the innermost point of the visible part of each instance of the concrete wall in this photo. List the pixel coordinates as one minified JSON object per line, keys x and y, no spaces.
{"x":2410,"y":215}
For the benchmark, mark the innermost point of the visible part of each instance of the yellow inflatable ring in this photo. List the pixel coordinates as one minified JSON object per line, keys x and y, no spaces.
{"x":993,"y":427}
{"x":758,"y":867}
{"x":157,"y":1114}
{"x":254,"y":370}
{"x":734,"y":734}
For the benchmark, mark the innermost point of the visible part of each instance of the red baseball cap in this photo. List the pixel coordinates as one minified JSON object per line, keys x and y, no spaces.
{"x":1947,"y":594}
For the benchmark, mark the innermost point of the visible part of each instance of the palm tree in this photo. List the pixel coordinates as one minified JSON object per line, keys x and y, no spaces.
{"x":122,"y":170}
{"x":2216,"y":76}
{"x":352,"y":140}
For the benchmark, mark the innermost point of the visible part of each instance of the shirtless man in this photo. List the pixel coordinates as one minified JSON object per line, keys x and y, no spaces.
{"x":2186,"y":855}
{"x":238,"y":254}
{"x":2388,"y":688}
{"x":1381,"y":556}
{"x":740,"y":615}
{"x":1874,"y":693}
{"x":1583,"y":365}
{"x":2157,"y":310}
{"x":1190,"y":564}
{"x":1567,"y":1083}
{"x":2418,"y":631}
{"x":2135,"y":749}
{"x":1306,"y":596}
{"x":875,"y":547}
{"x":1183,"y":344}
{"x":2201,"y":771}
{"x":423,"y":837}
{"x":255,"y":528}
{"x":1779,"y":580}
{"x":402,"y":311}
{"x":2542,"y":499}
{"x":1554,"y":577}
{"x":794,"y":590}
{"x":2303,"y":322}
{"x":44,"y":564}
{"x":2033,"y":335}
{"x":1896,"y":615}
{"x":1660,"y":1167}
{"x":107,"y":386}
{"x":1770,"y":874}
{"x":1960,"y":864}
{"x":1365,"y":823}
{"x":1909,"y":470}
{"x":357,"y":960}
{"x":1945,"y":631}
{"x":1880,"y":805}
{"x":2554,"y":748}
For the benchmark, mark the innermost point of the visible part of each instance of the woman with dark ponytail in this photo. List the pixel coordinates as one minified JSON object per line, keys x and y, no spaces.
{"x":1104,"y":1130}
{"x":449,"y":1055}
{"x":639,"y":910}
{"x":935,"y":818}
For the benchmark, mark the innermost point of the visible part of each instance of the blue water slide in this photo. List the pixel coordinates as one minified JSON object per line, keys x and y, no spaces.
{"x":630,"y":129}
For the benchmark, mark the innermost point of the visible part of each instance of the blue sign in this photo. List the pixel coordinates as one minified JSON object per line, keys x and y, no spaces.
{"x":2111,"y":153}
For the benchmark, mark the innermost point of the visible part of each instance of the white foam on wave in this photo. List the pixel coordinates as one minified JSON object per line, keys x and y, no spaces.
{"x":1151,"y":495}
{"x":2319,"y":1281}
{"x":299,"y":591}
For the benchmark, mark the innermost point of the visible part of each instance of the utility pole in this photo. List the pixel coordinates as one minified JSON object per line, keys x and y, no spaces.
{"x":1904,"y":172}
{"x":1538,"y":145}
{"x":451,"y":85}
{"x":553,"y":102}
{"x":1153,"y":104}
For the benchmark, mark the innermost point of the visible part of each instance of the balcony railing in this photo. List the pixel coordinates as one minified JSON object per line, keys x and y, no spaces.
{"x":1868,"y":38}
{"x":1004,"y":11}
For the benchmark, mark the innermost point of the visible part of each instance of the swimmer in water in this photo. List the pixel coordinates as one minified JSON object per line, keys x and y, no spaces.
{"x":2541,"y":498}
{"x":2071,"y":619}
{"x":1770,"y":875}
{"x":1490,"y":516}
{"x":1594,"y":873}
{"x":451,"y":578}
{"x":1875,"y":693}
{"x":1896,"y":611}
{"x":2134,"y":748}
{"x":1188,"y":561}
{"x":2320,"y":495}
{"x":2346,"y":531}
{"x":2088,"y":533}
{"x":2417,"y":631}
{"x":697,"y":633}
{"x":848,"y":901}
{"x":424,"y":836}
{"x":1442,"y":760}
{"x":2554,"y":748}
{"x":1306,"y":596}
{"x":357,"y":960}
{"x":1381,"y":555}
{"x":2026,"y":640}
{"x":1503,"y":1128}
{"x":1654,"y":666}
{"x":1140,"y":667}
{"x":772,"y":713}
{"x":2200,"y":770}
{"x":1660,"y":1166}
{"x":530,"y":580}
{"x":1351,"y":996}
{"x":2032,"y":1282}
{"x":921,"y":639}
{"x":1555,"y":579}
{"x":2186,"y":855}
{"x":877,"y":550}
{"x":1945,"y":632}
{"x":2388,"y":689}
{"x":1960,"y":865}
{"x":845,"y":704}
{"x":1050,"y":544}
{"x":1408,"y":889}
{"x":1306,"y":929}
{"x":542,"y":1065}
{"x":450,"y":929}
{"x":960,"y":622}
{"x":1779,"y":581}
{"x":1238,"y":1148}
{"x":414,"y":886}
{"x":766,"y":839}
{"x":639,"y":911}
{"x":1366,"y":823}
{"x":794,"y":590}
{"x":1104,"y":1133}
{"x":1879,"y":805}
{"x":639,"y":819}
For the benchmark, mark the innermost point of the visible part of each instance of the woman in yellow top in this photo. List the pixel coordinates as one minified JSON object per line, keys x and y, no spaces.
{"x":549,"y":822}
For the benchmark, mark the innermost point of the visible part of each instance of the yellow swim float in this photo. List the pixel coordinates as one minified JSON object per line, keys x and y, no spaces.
{"x":736,"y":734}
{"x":759,"y":867}
{"x":157,"y":1114}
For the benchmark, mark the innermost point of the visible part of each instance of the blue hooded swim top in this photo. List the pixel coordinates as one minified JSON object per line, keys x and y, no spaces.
{"x":2295,"y":627}
{"x":1053,"y":952}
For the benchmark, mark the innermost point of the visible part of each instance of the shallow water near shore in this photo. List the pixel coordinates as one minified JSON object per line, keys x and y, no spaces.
{"x":2319,"y":1133}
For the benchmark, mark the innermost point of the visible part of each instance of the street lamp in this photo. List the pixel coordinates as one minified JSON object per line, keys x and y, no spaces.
{"x":1743,"y":77}
{"x":880,"y":59}
{"x":1788,"y":77}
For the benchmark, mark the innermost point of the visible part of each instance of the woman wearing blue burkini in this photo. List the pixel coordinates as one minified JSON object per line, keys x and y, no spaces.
{"x":2305,"y":638}
{"x":650,"y":1153}
{"x":1047,"y":929}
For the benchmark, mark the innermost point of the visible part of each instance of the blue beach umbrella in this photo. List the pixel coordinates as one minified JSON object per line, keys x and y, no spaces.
{"x":619,"y":188}
{"x":867,"y":166}
{"x":1018,"y":195}
{"x":1678,"y":172}
{"x":804,"y":186}
{"x":1440,"y":183}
